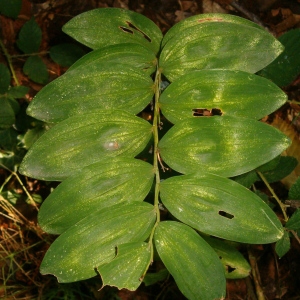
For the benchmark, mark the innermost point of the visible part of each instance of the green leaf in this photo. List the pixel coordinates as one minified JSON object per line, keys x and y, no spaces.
{"x":294,"y":192}
{"x":7,"y":114}
{"x":220,"y":207}
{"x":284,"y":167}
{"x":285,"y":68}
{"x":151,"y":278}
{"x":11,"y":196}
{"x":92,"y":242}
{"x":8,"y":138}
{"x":234,"y":263}
{"x":246,"y":179}
{"x":218,"y":45}
{"x":205,"y":18}
{"x":10,"y":8}
{"x":127,"y":269}
{"x":30,"y":37}
{"x":82,"y":140}
{"x":226,"y":146}
{"x":92,"y":87}
{"x":190,"y":260}
{"x":18,"y":91}
{"x":102,"y":27}
{"x":294,"y":222}
{"x":66,"y":54}
{"x":4,"y":79}
{"x":36,"y":69}
{"x":235,"y":93}
{"x":270,"y":165}
{"x":133,"y":55}
{"x":97,"y":186}
{"x":32,"y":135}
{"x":283,"y":245}
{"x":10,"y":154}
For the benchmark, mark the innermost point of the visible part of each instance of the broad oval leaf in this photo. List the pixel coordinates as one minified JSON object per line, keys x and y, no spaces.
{"x":97,"y":186}
{"x":82,"y":140}
{"x":204,"y":18}
{"x":220,"y":207}
{"x":126,"y":270}
{"x":226,"y":146}
{"x":234,"y":263}
{"x":234,"y":93}
{"x":106,"y":26}
{"x":134,"y":55}
{"x":30,"y":37}
{"x":218,"y":45}
{"x":194,"y":265}
{"x":92,"y":241}
{"x":92,"y":87}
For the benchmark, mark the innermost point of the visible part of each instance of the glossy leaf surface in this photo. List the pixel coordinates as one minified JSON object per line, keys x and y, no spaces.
{"x":220,"y":207}
{"x":91,"y":87}
{"x":205,"y":18}
{"x":234,"y":263}
{"x":127,"y":268}
{"x":92,"y":242}
{"x":102,"y":27}
{"x":190,"y":260}
{"x":97,"y":186}
{"x":218,"y":45}
{"x":226,"y":146}
{"x":133,"y":55}
{"x":235,"y":93}
{"x":82,"y":140}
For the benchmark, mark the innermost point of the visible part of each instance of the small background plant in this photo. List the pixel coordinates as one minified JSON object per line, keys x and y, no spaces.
{"x":40,"y":187}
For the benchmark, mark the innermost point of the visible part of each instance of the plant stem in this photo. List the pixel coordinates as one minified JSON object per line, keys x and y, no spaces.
{"x":156,"y":123}
{"x":22,"y":185}
{"x":31,"y":54}
{"x":8,"y":58}
{"x":282,"y":206}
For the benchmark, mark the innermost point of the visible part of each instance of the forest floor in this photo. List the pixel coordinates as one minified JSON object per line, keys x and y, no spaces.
{"x":23,"y":244}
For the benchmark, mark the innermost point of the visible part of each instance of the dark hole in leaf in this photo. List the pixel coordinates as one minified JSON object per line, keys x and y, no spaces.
{"x":229,"y":269}
{"x":204,"y":112}
{"x":143,"y":33}
{"x":125,"y":29}
{"x":220,"y":257}
{"x":226,"y":215}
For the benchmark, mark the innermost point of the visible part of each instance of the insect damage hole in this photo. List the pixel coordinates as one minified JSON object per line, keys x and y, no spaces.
{"x":204,"y":112}
{"x":125,"y":29}
{"x":225,"y":214}
{"x":230,"y":269}
{"x":137,"y":29}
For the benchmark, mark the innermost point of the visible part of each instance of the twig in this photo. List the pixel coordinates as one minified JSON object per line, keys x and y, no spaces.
{"x":282,"y":206}
{"x":22,"y":185}
{"x":255,"y":274}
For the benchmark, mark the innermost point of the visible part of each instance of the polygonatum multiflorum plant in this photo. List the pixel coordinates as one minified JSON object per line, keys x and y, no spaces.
{"x":113,"y":212}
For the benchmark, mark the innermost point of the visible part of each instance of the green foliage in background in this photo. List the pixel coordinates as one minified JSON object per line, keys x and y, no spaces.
{"x":105,"y":225}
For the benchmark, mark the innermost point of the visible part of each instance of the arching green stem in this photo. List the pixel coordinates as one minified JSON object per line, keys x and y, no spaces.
{"x":156,"y":123}
{"x":282,"y":207}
